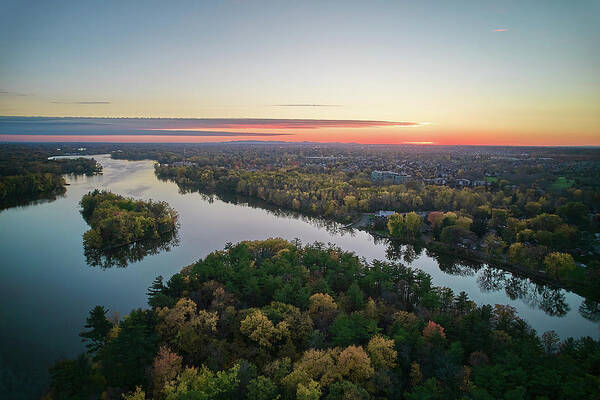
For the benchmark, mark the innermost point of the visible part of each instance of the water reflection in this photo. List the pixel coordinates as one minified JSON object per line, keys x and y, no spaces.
{"x":124,"y":255}
{"x":397,"y":251}
{"x":33,"y":200}
{"x":590,"y":309}
{"x":551,"y":300}
{"x":331,"y":227}
{"x":410,"y":252}
{"x":489,"y":279}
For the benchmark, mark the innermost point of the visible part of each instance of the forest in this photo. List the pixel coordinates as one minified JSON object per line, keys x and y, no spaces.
{"x":27,"y":175}
{"x":117,"y":221}
{"x":548,"y":233}
{"x":281,"y":320}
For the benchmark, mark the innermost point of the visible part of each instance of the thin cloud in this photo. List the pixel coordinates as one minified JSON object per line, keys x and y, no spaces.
{"x":179,"y":126}
{"x":81,"y":102}
{"x":500,"y":30}
{"x":306,"y":105}
{"x":150,"y":133}
{"x":10,"y":93}
{"x":271,"y":123}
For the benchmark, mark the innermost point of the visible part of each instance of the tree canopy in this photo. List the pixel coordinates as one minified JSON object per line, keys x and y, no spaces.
{"x":375,"y":330}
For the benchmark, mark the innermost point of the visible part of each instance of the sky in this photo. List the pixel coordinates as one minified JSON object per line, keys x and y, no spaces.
{"x":439,"y":72}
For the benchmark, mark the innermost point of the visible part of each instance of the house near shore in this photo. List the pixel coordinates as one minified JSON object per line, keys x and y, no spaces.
{"x":394,"y":177}
{"x":183,"y":164}
{"x":435,"y":181}
{"x":380,"y":218}
{"x":384,"y":214}
{"x":480,"y":183}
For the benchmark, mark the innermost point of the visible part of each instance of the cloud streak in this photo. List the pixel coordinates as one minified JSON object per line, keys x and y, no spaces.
{"x":82,"y":129}
{"x":306,"y":105}
{"x":81,"y":102}
{"x":500,"y":30}
{"x":44,"y":126}
{"x":153,"y":126}
{"x":148,"y":133}
{"x":11,"y":93}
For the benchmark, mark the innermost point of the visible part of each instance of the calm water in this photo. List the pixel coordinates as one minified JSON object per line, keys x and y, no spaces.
{"x":46,"y":288}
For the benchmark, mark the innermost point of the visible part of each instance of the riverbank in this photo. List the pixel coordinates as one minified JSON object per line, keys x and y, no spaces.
{"x":364,"y":223}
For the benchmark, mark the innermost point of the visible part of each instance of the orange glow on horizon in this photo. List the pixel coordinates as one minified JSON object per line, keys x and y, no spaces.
{"x":359,"y":136}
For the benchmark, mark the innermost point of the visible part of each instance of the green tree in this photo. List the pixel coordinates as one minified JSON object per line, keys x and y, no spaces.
{"x":346,"y":390}
{"x":137,"y":394}
{"x":262,"y":388}
{"x":258,"y":327}
{"x":413,"y":224}
{"x":157,"y":296}
{"x":203,"y":384}
{"x":356,"y":299}
{"x":575,"y":213}
{"x":352,"y":329}
{"x":415,"y":373}
{"x":395,"y":225}
{"x":322,"y":309}
{"x":532,"y":208}
{"x":462,"y":304}
{"x":125,"y":358}
{"x":311,"y":391}
{"x":457,"y":236}
{"x":428,"y":391}
{"x":97,"y":326}
{"x":494,"y":246}
{"x":382,"y":352}
{"x":499,"y":220}
{"x":74,"y":379}
{"x":407,"y":226}
{"x":559,"y":264}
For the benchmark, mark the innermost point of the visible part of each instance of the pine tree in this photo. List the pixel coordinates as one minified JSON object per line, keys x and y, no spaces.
{"x":156,"y":294}
{"x":157,"y":287}
{"x":98,"y":327}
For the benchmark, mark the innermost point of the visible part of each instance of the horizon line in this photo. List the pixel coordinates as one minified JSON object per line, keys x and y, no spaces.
{"x":274,"y":142}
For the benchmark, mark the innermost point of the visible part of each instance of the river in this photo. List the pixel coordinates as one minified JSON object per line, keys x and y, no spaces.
{"x":47,"y":289}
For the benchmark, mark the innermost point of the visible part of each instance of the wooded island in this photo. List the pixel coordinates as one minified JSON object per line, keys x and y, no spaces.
{"x":118,"y":221}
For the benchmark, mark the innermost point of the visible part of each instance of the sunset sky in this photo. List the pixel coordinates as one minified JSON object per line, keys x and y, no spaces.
{"x":441,"y":72}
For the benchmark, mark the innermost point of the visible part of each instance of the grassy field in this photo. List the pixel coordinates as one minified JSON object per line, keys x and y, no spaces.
{"x":562,"y":183}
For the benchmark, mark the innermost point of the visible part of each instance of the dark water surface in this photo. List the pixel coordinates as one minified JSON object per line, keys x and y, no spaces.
{"x":47,"y":289}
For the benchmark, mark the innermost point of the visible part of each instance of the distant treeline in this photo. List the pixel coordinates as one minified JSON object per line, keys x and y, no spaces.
{"x":30,"y":159}
{"x":23,"y":189}
{"x":340,"y":195}
{"x":523,"y":225}
{"x":27,"y":175}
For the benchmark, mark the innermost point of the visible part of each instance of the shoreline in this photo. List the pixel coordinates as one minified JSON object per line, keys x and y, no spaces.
{"x":428,"y":244}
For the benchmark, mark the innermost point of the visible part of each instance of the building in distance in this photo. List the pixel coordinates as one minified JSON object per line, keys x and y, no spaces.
{"x":389,"y":176}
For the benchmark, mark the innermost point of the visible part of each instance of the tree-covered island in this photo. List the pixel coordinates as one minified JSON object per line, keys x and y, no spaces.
{"x":119,"y":222}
